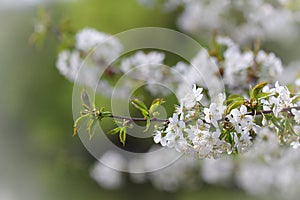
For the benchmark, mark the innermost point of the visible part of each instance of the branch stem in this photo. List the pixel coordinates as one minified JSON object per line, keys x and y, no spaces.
{"x":270,"y":111}
{"x":136,"y":119}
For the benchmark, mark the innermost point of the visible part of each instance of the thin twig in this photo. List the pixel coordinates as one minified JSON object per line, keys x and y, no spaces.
{"x":138,"y":119}
{"x":166,"y":120}
{"x":271,"y":111}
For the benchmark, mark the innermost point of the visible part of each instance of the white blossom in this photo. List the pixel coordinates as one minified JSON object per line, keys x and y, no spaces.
{"x":217,"y":171}
{"x":296,"y":114}
{"x":105,"y":48}
{"x":236,"y":64}
{"x":295,"y":144}
{"x":158,"y":138}
{"x":271,"y":65}
{"x":150,"y":69}
{"x":297,"y":82}
{"x":216,"y":110}
{"x":258,"y":19}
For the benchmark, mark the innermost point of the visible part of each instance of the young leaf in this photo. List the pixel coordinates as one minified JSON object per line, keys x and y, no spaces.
{"x":289,"y":126}
{"x":234,"y":97}
{"x":85,"y":99}
{"x":91,"y":127}
{"x":114,"y":131}
{"x":75,"y":126}
{"x":257,"y":89}
{"x":145,"y":113}
{"x":276,"y":123}
{"x":234,"y":105}
{"x":155,"y":103}
{"x":295,"y":99}
{"x":230,"y":138}
{"x":122,"y":135}
{"x":106,"y":114}
{"x":141,"y":106}
{"x":263,"y":95}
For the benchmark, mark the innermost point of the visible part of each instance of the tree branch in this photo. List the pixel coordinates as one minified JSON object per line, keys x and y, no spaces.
{"x":138,"y":119}
{"x":270,"y":111}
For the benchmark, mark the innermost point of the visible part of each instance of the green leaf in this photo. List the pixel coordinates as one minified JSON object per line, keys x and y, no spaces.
{"x":289,"y":126}
{"x":85,"y":99}
{"x":263,"y":95}
{"x":277,"y":124}
{"x":234,"y":105}
{"x":145,"y":113}
{"x":106,"y":114}
{"x":234,"y":97}
{"x":257,"y":89}
{"x":91,"y":127}
{"x":75,"y":126}
{"x":230,"y":138}
{"x":296,"y":99}
{"x":141,"y":106}
{"x":114,"y":131}
{"x":122,"y":135}
{"x":155,"y":103}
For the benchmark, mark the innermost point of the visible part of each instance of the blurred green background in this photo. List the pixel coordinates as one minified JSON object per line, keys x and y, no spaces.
{"x":39,"y":157}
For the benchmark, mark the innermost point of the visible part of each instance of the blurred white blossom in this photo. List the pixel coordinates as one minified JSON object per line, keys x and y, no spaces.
{"x":242,"y":20}
{"x":104,"y":48}
{"x":106,"y":173}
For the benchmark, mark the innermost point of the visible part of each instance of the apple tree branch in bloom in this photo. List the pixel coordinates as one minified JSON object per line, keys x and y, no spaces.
{"x":227,"y":126}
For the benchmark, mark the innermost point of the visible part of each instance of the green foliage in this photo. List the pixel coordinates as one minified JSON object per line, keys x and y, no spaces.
{"x":150,"y":113}
{"x":42,"y":26}
{"x":141,"y":106}
{"x":154,"y":105}
{"x":264,"y":95}
{"x":92,"y":112}
{"x":45,"y":25}
{"x":289,"y":126}
{"x":296,"y":99}
{"x":233,"y":105}
{"x":233,"y":98}
{"x":277,"y":123}
{"x":91,"y":125}
{"x":144,"y":110}
{"x":122,"y":133}
{"x":257,"y":90}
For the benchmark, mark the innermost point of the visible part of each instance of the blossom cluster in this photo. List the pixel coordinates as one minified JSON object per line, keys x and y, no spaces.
{"x":92,"y":53}
{"x":216,"y":129}
{"x":217,"y":118}
{"x":170,"y":177}
{"x":266,"y":168}
{"x":203,"y":130}
{"x":96,"y":61}
{"x":242,"y":20}
{"x":227,"y":64}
